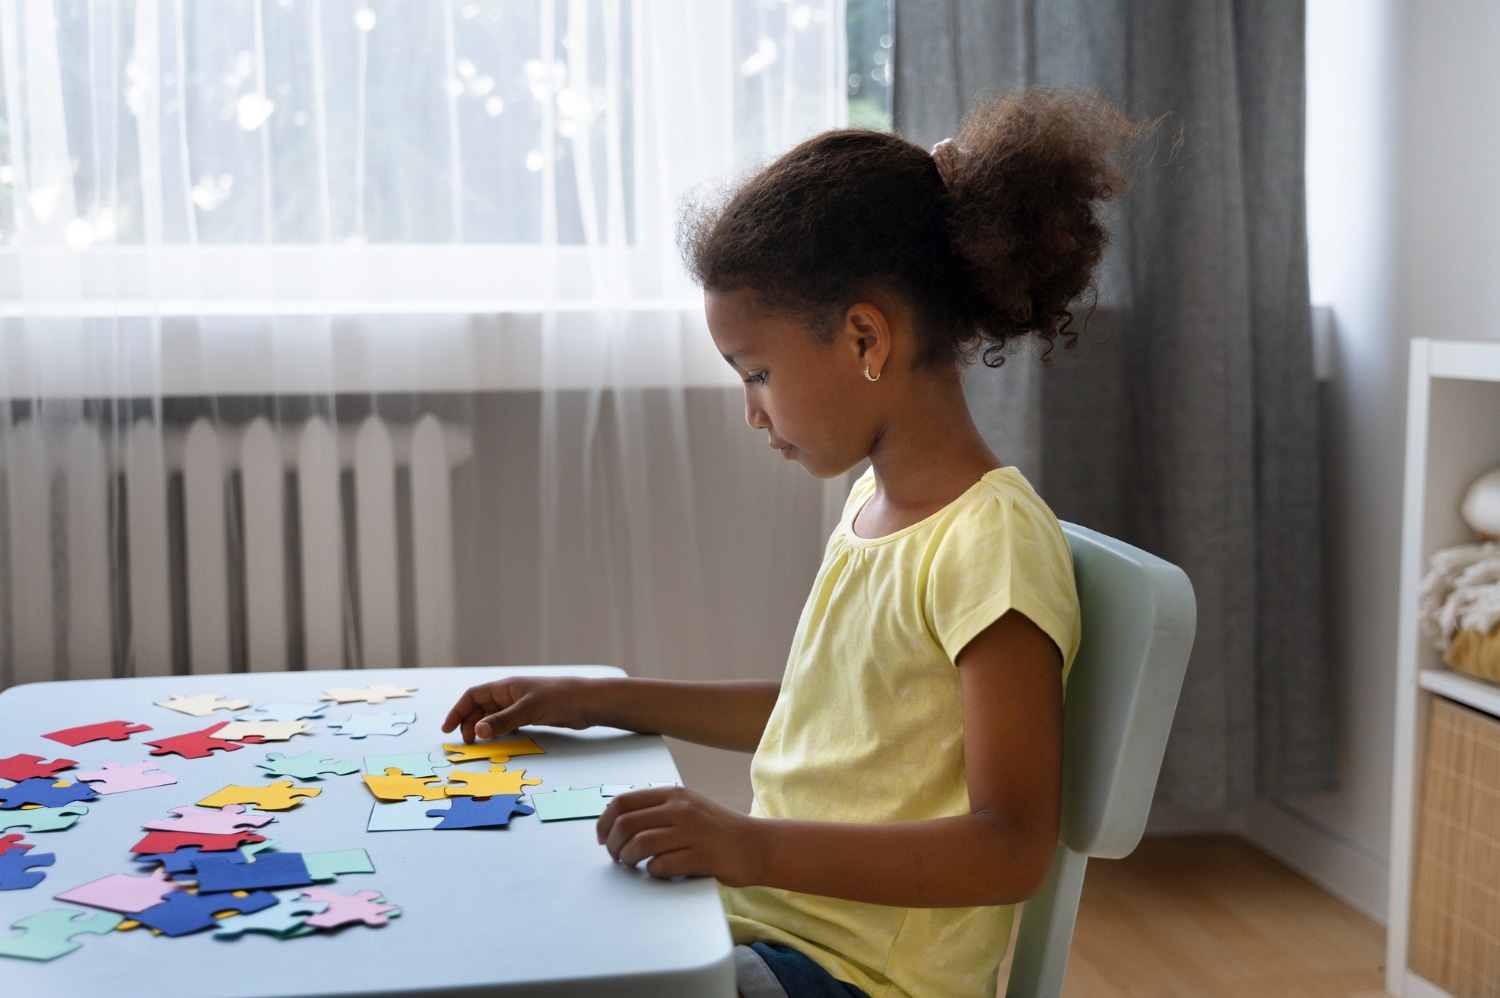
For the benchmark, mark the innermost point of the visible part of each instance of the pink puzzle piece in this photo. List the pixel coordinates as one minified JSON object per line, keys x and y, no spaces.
{"x":116,"y":779}
{"x":346,"y":908}
{"x":122,"y":892}
{"x":230,"y":819}
{"x":115,"y":731}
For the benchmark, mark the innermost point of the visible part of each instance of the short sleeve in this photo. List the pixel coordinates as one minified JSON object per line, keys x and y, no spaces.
{"x":1005,"y":551}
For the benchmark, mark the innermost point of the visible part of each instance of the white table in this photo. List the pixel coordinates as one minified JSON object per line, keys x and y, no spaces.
{"x":533,"y":909}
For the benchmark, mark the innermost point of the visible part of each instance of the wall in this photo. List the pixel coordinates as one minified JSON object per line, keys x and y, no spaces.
{"x":1403,"y":156}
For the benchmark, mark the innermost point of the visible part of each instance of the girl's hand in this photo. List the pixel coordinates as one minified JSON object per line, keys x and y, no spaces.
{"x":491,"y":710}
{"x":682,"y":833}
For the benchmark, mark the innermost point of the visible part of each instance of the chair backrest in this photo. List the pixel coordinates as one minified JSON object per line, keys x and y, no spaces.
{"x":1138,"y":620}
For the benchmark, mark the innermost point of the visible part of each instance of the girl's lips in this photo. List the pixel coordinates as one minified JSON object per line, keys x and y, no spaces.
{"x":786,"y":452}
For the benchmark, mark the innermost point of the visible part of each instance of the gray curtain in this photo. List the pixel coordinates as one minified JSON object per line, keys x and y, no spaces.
{"x":1185,"y":420}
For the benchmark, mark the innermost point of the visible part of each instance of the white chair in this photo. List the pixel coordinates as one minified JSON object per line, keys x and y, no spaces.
{"x":1138,"y":621}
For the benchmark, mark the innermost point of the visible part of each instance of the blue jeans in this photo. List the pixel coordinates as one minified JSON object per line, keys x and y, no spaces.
{"x":770,"y":970}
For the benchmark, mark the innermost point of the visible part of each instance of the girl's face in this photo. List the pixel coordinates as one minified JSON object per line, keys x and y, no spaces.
{"x":803,"y":392}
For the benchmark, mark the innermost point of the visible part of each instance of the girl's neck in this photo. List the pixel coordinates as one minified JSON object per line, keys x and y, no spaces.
{"x":928,"y":453}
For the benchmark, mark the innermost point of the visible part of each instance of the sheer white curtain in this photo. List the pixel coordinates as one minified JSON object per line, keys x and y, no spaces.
{"x":241,"y":218}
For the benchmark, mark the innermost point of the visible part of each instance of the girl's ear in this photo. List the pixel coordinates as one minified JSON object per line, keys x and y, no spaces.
{"x":867,"y":333}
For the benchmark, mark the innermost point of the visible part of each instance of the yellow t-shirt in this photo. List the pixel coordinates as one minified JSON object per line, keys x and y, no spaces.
{"x":868,"y":726}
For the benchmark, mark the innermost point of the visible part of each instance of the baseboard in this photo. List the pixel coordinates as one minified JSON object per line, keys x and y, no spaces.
{"x":1334,"y":863}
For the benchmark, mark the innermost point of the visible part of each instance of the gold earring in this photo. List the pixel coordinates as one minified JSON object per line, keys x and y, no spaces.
{"x":867,"y":374}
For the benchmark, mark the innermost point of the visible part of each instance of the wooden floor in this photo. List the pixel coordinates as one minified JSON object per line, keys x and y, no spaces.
{"x":1213,"y":916}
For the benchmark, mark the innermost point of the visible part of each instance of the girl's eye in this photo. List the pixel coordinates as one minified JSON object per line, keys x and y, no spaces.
{"x":758,"y":378}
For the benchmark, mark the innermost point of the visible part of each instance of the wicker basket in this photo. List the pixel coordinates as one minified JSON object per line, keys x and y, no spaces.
{"x":1475,"y":654}
{"x":1455,"y":927}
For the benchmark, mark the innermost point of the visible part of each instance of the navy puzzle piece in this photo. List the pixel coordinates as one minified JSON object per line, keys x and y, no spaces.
{"x":14,"y":875}
{"x":181,"y":860}
{"x":270,"y":870}
{"x":182,"y":913}
{"x":39,"y":790}
{"x":471,"y":812}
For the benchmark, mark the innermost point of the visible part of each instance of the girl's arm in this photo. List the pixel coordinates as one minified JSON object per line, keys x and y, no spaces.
{"x":999,"y":853}
{"x":729,"y":714}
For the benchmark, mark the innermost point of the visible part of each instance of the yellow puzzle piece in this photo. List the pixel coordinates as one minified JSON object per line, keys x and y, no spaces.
{"x":396,"y":785}
{"x":495,"y":752}
{"x":280,"y":796}
{"x":497,"y":781}
{"x":378,"y":693}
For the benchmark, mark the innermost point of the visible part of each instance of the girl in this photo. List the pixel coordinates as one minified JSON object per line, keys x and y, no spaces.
{"x":907,"y":768}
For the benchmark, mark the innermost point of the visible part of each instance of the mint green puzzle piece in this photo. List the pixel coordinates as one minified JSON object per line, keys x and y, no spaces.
{"x":410,"y":763}
{"x":42,"y":819}
{"x":307,"y":766}
{"x":329,"y":865}
{"x":562,"y":805}
{"x":49,"y":934}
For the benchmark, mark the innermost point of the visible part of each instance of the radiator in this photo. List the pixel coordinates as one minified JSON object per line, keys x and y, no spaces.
{"x":210,"y":548}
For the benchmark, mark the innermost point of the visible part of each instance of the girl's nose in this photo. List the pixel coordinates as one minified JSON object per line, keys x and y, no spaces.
{"x":754,"y":414}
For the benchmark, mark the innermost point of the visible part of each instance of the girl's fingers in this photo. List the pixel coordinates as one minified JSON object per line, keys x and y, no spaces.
{"x":651,"y":842}
{"x":673,"y":863}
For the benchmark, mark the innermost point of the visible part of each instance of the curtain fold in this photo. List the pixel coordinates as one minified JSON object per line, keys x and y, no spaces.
{"x":1185,"y":420}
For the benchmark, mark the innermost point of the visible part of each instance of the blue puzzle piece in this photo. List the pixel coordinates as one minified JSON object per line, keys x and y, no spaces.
{"x":285,"y":921}
{"x":470,"y":812}
{"x":39,"y":790}
{"x":43,"y":819}
{"x":284,"y":712}
{"x":185,"y":860}
{"x":360,"y":725}
{"x":14,"y":875}
{"x":182,"y":913}
{"x":271,"y":869}
{"x":307,"y":766}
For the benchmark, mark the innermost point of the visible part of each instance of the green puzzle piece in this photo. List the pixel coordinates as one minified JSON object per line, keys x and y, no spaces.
{"x":42,"y":819}
{"x":307,"y":766}
{"x":561,"y":805}
{"x":410,"y":763}
{"x":49,"y":934}
{"x":328,"y":865}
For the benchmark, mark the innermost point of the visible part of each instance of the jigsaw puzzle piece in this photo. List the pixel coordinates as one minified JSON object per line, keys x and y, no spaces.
{"x":273,"y":869}
{"x":182,"y":913}
{"x":279,"y":796}
{"x":195,"y":744}
{"x":616,"y":789}
{"x":376,"y":694}
{"x":26,"y":767}
{"x":285,"y":920}
{"x":395,"y":786}
{"x":467,"y":812}
{"x":401,"y":816}
{"x":227,"y":820}
{"x":50,"y":934}
{"x":15,"y":869}
{"x":115,"y":731}
{"x":43,"y":792}
{"x":493,"y":752}
{"x":116,"y":779}
{"x":159,"y":842}
{"x":331,"y":865}
{"x":496,"y":782}
{"x":172,"y":863}
{"x":202,"y":705}
{"x":307,"y":766}
{"x":360,"y":725}
{"x":43,"y":819}
{"x":344,"y":909}
{"x":410,"y":763}
{"x":122,"y":892}
{"x":265,"y":731}
{"x":284,"y":712}
{"x":563,"y":805}
{"x":10,"y":842}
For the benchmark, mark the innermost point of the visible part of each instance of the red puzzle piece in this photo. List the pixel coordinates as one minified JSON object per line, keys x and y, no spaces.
{"x":24,"y":767}
{"x":160,"y":842}
{"x":196,"y":744}
{"x":13,"y":841}
{"x":115,"y":731}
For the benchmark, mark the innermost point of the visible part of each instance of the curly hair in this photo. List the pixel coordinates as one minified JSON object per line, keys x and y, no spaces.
{"x":999,"y":249}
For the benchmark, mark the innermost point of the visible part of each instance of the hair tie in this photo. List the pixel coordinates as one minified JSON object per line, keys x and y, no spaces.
{"x":948,"y":157}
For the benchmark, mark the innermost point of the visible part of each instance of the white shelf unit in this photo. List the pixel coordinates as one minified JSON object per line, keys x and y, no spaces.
{"x":1452,"y":437}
